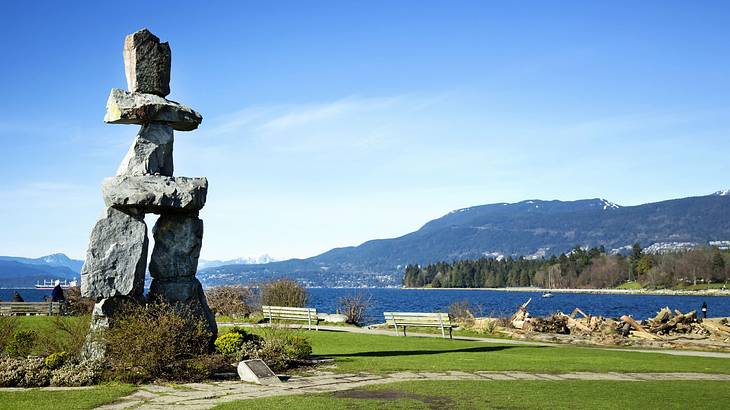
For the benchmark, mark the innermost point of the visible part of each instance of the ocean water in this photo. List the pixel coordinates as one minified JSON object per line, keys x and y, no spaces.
{"x":488,"y":302}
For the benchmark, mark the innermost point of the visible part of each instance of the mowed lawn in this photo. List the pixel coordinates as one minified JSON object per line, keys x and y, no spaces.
{"x":78,"y":399}
{"x":572,"y":394}
{"x":378,"y":353}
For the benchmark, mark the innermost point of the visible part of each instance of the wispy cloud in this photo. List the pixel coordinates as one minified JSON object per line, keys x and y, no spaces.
{"x":350,"y":122}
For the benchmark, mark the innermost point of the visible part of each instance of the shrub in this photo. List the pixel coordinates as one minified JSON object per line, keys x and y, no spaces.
{"x":354,"y":308}
{"x":233,"y":301}
{"x":23,"y":372}
{"x":77,"y":305}
{"x":85,"y":373}
{"x":8,"y":326}
{"x":279,"y":348}
{"x":153,"y":342}
{"x":298,"y":347}
{"x":229,"y":343}
{"x":283,"y":292}
{"x":22,"y":342}
{"x":55,"y":360}
{"x":68,"y":334}
{"x":461,"y":313}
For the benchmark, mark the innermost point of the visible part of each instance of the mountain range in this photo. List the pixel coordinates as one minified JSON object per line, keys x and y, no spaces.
{"x":21,"y":272}
{"x":532,"y":228}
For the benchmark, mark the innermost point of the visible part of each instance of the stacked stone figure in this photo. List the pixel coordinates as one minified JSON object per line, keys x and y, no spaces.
{"x":115,"y":266}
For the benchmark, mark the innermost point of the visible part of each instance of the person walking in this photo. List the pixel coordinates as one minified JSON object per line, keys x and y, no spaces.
{"x":57,"y":293}
{"x":704,"y":310}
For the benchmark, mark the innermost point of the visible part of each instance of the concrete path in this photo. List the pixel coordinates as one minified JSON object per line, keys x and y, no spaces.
{"x":207,"y":395}
{"x":371,"y":331}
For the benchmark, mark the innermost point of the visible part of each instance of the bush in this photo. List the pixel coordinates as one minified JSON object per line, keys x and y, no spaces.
{"x":22,"y":342}
{"x":283,"y":292}
{"x":156,"y":341}
{"x":85,"y":373}
{"x":354,"y":308}
{"x":24,"y":372}
{"x":233,"y":301}
{"x":77,"y":305}
{"x":68,"y":335}
{"x":229,"y":344}
{"x":8,"y":326}
{"x":298,"y":347}
{"x":55,"y":360}
{"x":461,"y":313}
{"x":279,"y":348}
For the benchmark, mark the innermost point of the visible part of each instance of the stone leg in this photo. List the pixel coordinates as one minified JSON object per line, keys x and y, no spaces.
{"x":151,"y":152}
{"x":117,"y":256}
{"x":174,"y":262}
{"x":178,"y":239}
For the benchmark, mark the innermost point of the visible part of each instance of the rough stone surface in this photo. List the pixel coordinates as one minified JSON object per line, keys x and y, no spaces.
{"x":117,"y":255}
{"x":147,"y":63}
{"x":151,"y":152}
{"x":178,"y":239}
{"x":124,"y":107}
{"x":185,"y":292}
{"x":155,"y":193}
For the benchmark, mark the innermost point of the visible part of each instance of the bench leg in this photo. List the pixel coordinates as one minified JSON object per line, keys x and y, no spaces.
{"x":404,"y":331}
{"x":443,"y":333}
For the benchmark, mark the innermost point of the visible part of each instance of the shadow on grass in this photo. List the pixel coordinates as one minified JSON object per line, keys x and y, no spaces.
{"x":390,"y":353}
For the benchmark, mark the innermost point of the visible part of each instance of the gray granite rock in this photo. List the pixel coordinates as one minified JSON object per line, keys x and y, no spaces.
{"x":155,"y":193}
{"x":150,"y":153}
{"x":123,"y":107}
{"x":186,"y":293}
{"x":147,"y":63}
{"x":117,"y":255}
{"x":178,"y":238}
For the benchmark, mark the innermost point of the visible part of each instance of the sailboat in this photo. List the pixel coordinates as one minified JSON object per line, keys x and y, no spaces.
{"x":548,"y":294}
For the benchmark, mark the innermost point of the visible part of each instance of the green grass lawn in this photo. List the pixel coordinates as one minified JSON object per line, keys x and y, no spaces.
{"x":376,"y":353}
{"x":509,"y":395}
{"x":31,"y":399}
{"x":629,"y":285}
{"x":701,"y":286}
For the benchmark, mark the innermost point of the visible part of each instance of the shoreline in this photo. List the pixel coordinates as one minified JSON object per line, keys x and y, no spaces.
{"x":657,"y":292}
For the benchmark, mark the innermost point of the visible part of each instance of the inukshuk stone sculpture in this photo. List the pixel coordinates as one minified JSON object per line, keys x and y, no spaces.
{"x":114,"y":270}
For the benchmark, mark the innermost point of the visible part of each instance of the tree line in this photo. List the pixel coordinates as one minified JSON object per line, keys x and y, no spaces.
{"x":579,"y":268}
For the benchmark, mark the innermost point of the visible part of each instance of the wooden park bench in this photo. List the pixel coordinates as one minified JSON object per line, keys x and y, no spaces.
{"x":29,"y":308}
{"x":405,"y":319}
{"x":286,"y":313}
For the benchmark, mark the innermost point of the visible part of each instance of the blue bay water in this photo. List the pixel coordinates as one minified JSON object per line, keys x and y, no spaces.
{"x":489,"y":302}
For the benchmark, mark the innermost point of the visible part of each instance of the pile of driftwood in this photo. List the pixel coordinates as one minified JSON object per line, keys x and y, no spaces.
{"x":669,"y":328}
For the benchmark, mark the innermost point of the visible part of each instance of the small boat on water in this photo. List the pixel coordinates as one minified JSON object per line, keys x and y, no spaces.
{"x":547,"y":295}
{"x":52,"y":284}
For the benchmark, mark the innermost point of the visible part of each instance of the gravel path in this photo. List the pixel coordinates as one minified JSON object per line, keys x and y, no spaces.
{"x":208,"y":395}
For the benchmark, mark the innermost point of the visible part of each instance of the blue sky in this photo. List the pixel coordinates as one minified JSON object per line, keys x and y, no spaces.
{"x":330,"y":123}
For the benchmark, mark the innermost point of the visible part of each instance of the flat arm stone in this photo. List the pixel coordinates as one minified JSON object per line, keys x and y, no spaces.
{"x":155,"y":193}
{"x":124,"y":107}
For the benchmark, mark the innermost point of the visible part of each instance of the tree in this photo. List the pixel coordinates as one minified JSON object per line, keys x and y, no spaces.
{"x":717,"y":265}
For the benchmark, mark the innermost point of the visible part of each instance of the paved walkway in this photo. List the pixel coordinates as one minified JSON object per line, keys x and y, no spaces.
{"x":207,"y":395}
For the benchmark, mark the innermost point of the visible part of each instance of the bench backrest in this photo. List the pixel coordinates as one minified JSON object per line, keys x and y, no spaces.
{"x":33,"y":308}
{"x":289,"y":313}
{"x":417,"y":319}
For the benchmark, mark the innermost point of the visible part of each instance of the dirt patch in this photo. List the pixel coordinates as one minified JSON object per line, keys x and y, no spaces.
{"x":433,"y":402}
